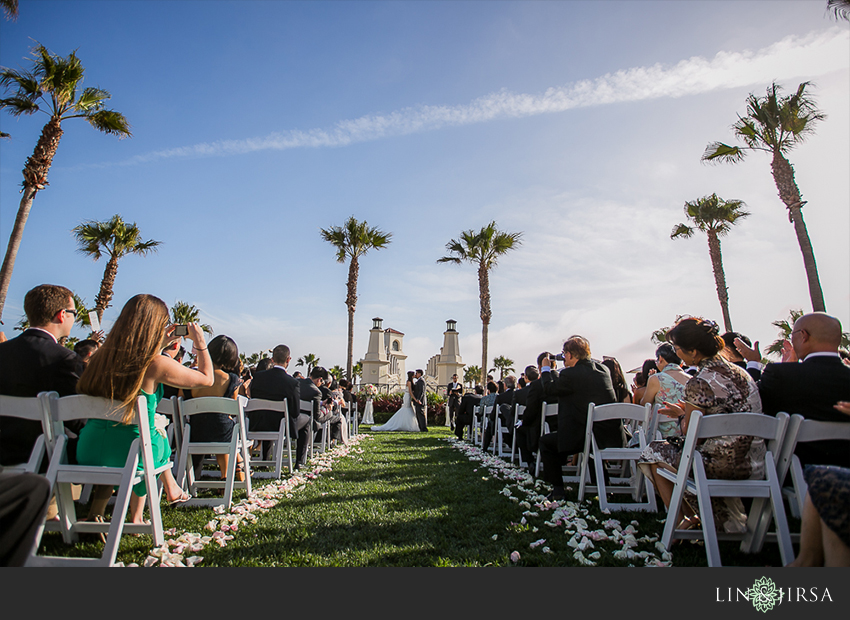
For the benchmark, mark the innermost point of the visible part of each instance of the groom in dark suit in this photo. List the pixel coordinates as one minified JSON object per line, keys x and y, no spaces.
{"x":419,"y":400}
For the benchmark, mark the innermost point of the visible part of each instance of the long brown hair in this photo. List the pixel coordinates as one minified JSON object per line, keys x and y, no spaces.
{"x":117,"y":369}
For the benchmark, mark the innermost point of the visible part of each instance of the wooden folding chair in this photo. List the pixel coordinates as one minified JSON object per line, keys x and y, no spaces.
{"x":550,"y":410}
{"x":515,"y":453}
{"x":692,"y":477}
{"x":62,"y":474}
{"x":629,"y":480}
{"x":238,"y":444}
{"x":803,"y":430}
{"x":280,"y":438}
{"x":34,"y":409}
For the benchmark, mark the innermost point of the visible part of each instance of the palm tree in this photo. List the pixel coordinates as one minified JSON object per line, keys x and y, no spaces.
{"x":337,"y":372}
{"x":471,"y":374}
{"x":352,"y":240}
{"x":183,"y":314}
{"x":115,"y":239}
{"x":50,"y":87}
{"x":482,"y":248}
{"x":503,"y":365}
{"x":357,"y":371}
{"x":715,"y":217}
{"x":785,"y":327}
{"x":776,"y":124}
{"x":839,"y":8}
{"x":10,"y":8}
{"x":309,"y":360}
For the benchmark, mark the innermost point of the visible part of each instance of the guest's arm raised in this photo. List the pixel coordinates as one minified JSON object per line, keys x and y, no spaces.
{"x":166,"y":370}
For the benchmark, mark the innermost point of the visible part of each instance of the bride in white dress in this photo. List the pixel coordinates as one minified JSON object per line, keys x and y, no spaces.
{"x":405,"y":418}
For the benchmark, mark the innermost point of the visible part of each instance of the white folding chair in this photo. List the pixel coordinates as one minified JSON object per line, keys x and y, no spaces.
{"x":36,"y":410}
{"x":61,"y":475}
{"x":515,"y":453}
{"x":550,"y":410}
{"x":280,"y":438}
{"x":691,"y":476}
{"x":474,"y":430}
{"x":353,"y":423}
{"x":238,"y":444}
{"x":487,"y":410}
{"x":629,"y":480}
{"x":803,"y":430}
{"x":311,"y":408}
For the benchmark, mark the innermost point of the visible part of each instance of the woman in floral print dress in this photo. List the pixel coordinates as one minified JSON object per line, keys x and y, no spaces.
{"x":718,"y":387}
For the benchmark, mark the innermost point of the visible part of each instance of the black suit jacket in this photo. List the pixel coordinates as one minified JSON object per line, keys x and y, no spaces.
{"x":467,"y":405}
{"x":810,"y":388}
{"x":574,"y":389}
{"x":32,"y":363}
{"x":275,"y":384}
{"x":419,"y":390}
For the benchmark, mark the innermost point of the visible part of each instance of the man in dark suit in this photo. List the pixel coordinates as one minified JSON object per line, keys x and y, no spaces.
{"x":419,"y":402}
{"x":35,"y":362}
{"x":812,"y":386}
{"x":454,"y":390}
{"x":276,"y":384}
{"x":504,"y":408}
{"x":464,"y":410}
{"x":582,"y":382}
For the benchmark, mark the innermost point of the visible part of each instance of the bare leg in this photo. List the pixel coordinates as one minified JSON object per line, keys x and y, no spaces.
{"x":137,"y":508}
{"x":811,"y":538}
{"x":170,"y":486}
{"x":835,"y":552}
{"x":100,"y":498}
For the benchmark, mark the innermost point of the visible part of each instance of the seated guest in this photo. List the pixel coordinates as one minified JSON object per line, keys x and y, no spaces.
{"x":731,"y":353}
{"x":312,"y":390}
{"x":276,"y":384}
{"x":35,"y":362}
{"x":811,"y":386}
{"x":85,"y":349}
{"x":337,"y":405}
{"x":647,"y":370}
{"x":666,"y":386}
{"x":23,"y":503}
{"x":718,"y":387}
{"x":504,"y":408}
{"x":618,"y":380}
{"x":264,"y":364}
{"x":218,"y":427}
{"x":130,"y":364}
{"x":466,"y":408}
{"x":581,"y":382}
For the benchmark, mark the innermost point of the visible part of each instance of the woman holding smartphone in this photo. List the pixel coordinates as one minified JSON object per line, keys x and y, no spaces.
{"x":129,"y":365}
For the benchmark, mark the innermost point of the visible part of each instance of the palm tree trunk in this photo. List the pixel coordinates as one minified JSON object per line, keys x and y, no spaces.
{"x":105,"y":295}
{"x":35,"y":178}
{"x":789,"y":193}
{"x":351,"y":302}
{"x":719,"y":277}
{"x":484,"y":299}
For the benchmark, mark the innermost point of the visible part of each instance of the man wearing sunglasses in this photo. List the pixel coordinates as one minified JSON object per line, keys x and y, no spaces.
{"x":35,"y":362}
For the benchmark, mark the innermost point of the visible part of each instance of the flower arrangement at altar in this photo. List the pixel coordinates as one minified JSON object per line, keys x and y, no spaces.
{"x":370,"y":389}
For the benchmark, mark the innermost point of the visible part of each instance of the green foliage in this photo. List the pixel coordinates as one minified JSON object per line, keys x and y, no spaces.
{"x":710,"y":214}
{"x":504,"y":365}
{"x":309,"y":360}
{"x":337,"y":372}
{"x":183,"y":313}
{"x":471,"y":374}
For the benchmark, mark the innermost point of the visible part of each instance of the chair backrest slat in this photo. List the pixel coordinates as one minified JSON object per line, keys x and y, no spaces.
{"x":743,"y":423}
{"x":262,"y":404}
{"x":211,"y":404}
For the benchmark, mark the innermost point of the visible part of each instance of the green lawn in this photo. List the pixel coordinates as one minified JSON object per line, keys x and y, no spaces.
{"x":406,"y":499}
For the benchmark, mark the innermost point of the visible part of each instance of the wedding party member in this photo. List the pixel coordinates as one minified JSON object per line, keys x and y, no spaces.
{"x":405,"y":418}
{"x":666,"y":386}
{"x":581,"y":382}
{"x":130,"y":364}
{"x":718,"y":387}
{"x":454,"y":391}
{"x":276,"y":384}
{"x":35,"y":362}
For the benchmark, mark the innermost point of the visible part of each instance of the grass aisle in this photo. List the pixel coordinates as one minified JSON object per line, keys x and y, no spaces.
{"x":408,"y":499}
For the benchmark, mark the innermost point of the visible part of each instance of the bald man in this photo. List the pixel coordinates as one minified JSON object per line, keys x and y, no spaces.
{"x":810,"y":381}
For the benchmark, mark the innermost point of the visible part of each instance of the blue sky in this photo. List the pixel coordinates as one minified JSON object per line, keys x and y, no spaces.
{"x":580,"y":124}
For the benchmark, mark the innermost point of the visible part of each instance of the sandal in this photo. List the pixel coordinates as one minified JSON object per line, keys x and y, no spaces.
{"x":93,"y":536}
{"x":240,"y":472}
{"x":185,"y":497}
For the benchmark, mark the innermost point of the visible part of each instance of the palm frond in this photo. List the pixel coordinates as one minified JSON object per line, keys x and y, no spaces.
{"x":16,"y":106}
{"x":719,"y":152}
{"x":10,"y":8}
{"x":840,"y":8}
{"x":109,"y":122}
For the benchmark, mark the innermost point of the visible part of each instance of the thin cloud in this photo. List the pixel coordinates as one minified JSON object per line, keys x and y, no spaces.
{"x":791,"y":57}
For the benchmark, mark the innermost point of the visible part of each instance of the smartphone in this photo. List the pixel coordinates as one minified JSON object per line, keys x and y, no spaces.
{"x":95,"y":324}
{"x":181,"y":330}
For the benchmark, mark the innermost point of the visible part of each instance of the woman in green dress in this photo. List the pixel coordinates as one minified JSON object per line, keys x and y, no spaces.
{"x":130,"y":364}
